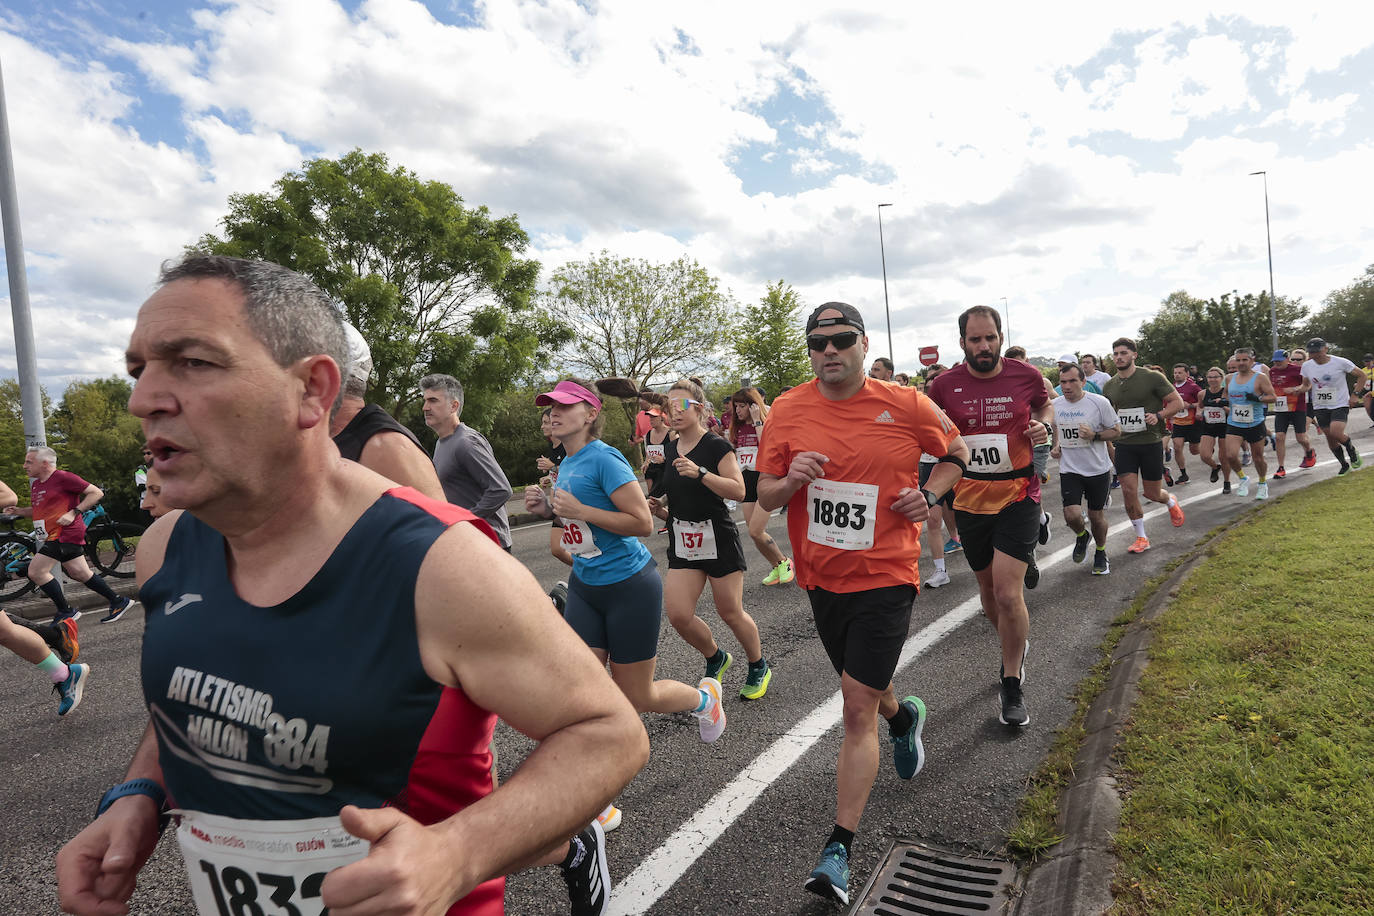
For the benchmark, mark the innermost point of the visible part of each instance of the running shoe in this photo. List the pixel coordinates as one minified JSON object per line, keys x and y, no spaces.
{"x":830,"y":877}
{"x":1014,"y":710}
{"x":1226,"y":488}
{"x":1356,"y":462}
{"x":940,"y":579}
{"x":1182,"y":477}
{"x":1044,"y":528}
{"x":1245,"y":459}
{"x":731,"y":505}
{"x":72,"y":615}
{"x":1243,"y":487}
{"x":1309,"y":460}
{"x":1168,"y":478}
{"x":908,"y":754}
{"x":1025,"y":651}
{"x":953,"y":545}
{"x":756,"y":685}
{"x":1272,"y":444}
{"x":663,"y":530}
{"x":67,"y":648}
{"x":1168,"y":455}
{"x":1216,"y":473}
{"x":711,"y":720}
{"x":1176,"y":514}
{"x":588,"y":877}
{"x":609,"y":819}
{"x":1080,"y":546}
{"x":1345,"y":469}
{"x":1116,"y":482}
{"x":1280,"y":473}
{"x":781,"y":574}
{"x":1032,"y":578}
{"x":1100,"y":565}
{"x":559,"y":596}
{"x":716,"y":672}
{"x":1262,"y":491}
{"x":117,"y":610}
{"x":71,"y":689}
{"x":1141,"y":545}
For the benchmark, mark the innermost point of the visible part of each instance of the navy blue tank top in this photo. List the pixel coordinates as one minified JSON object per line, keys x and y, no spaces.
{"x":296,"y":710}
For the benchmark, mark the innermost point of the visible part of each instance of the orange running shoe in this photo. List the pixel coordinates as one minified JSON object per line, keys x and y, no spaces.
{"x":1176,"y":514}
{"x":1140,"y":546}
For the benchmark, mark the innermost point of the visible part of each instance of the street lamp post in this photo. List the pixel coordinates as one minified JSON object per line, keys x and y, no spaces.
{"x":1268,"y":242}
{"x":883,"y":251}
{"x":1006,"y":317}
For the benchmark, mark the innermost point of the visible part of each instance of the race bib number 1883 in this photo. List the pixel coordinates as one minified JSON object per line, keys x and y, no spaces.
{"x":843,"y":515}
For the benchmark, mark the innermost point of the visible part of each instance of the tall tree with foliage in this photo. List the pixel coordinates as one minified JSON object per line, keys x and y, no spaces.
{"x":432,"y":285}
{"x":97,"y":439}
{"x":1346,"y":318}
{"x":648,"y":322}
{"x":1204,"y":332}
{"x":769,"y":343}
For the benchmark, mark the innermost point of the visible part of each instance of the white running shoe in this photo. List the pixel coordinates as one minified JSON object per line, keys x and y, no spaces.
{"x":940,"y":578}
{"x":609,"y":819}
{"x":711,"y":720}
{"x":1262,"y":491}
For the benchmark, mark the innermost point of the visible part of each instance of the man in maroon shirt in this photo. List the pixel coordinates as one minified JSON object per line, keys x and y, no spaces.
{"x":1290,"y":408}
{"x":1187,"y":430}
{"x":58,"y":498}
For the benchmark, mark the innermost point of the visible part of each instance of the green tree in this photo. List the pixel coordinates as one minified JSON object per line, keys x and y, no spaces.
{"x":1346,"y":318}
{"x":768,"y":341}
{"x":432,"y":285}
{"x":1204,"y":332}
{"x":12,"y":442}
{"x":97,"y":438}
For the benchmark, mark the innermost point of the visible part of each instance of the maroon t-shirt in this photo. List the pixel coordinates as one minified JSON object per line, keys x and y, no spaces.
{"x":1189,"y":391}
{"x":54,"y":498}
{"x":1289,"y":376}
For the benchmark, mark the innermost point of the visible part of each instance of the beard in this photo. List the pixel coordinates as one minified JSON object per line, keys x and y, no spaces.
{"x":982,"y":362}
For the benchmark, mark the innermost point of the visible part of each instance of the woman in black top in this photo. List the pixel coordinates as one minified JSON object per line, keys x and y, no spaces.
{"x":654,"y":441}
{"x":700,"y":474}
{"x":1213,"y":402}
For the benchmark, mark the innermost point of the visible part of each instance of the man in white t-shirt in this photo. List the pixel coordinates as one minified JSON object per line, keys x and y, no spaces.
{"x":1083,"y":424}
{"x":1091,"y":373}
{"x":1324,"y":378}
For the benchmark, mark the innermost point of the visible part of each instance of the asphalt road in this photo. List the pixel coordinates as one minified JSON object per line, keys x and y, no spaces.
{"x":733,"y":827}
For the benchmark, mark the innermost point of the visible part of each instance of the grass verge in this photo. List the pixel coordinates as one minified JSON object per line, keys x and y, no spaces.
{"x":1249,"y":763}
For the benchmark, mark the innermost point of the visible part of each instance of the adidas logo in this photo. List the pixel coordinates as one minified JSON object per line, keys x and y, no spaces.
{"x":884,"y":417}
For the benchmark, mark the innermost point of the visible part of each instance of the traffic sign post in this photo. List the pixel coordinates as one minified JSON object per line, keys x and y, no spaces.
{"x":930,"y":356}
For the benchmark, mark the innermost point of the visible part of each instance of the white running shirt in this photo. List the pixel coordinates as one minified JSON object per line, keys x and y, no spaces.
{"x":1088,"y":458}
{"x":1330,"y":389}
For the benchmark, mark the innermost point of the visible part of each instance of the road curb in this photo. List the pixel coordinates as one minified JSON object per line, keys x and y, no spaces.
{"x":37,"y":606}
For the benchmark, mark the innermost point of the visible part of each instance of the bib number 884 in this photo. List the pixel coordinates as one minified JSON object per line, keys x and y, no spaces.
{"x":236,"y":893}
{"x":839,"y":514}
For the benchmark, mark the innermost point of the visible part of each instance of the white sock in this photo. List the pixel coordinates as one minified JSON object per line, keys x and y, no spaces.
{"x":1173,"y":500}
{"x":1139,"y":524}
{"x":940,"y":565}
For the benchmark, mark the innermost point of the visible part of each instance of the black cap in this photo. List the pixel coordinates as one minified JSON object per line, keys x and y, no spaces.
{"x":1316,"y":343}
{"x":849,"y":315}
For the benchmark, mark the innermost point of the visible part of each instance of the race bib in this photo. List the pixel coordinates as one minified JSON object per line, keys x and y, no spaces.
{"x":694,"y":540}
{"x":577,"y":538}
{"x":1324,"y":398}
{"x":40,"y":530}
{"x":654,"y":451}
{"x":748,"y":456}
{"x":1132,"y":420}
{"x":843,"y":515}
{"x":988,"y":453}
{"x":1242,"y":414}
{"x":272,"y":868}
{"x":1280,"y":404}
{"x":1072,"y":437}
{"x":1214,"y":415}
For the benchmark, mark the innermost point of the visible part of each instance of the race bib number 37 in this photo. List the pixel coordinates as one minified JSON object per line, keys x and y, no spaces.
{"x":843,"y":515}
{"x":262,"y":868}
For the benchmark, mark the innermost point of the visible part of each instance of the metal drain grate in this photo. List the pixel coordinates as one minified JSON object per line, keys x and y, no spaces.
{"x":918,"y":879}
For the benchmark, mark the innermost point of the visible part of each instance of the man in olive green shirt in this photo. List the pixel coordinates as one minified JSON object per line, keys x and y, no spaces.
{"x":1143,"y":400}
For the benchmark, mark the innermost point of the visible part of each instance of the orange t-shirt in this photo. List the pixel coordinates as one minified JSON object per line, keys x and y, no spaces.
{"x":845,"y":538}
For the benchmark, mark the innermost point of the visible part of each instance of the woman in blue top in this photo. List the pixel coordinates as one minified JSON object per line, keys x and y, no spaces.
{"x":615,"y":597}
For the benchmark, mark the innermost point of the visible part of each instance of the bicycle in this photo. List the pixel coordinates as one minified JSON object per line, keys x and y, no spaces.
{"x":110,"y":543}
{"x":16,"y":550}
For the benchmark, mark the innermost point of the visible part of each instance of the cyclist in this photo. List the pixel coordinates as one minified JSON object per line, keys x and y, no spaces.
{"x":1213,"y":405}
{"x":58,"y":500}
{"x":747,"y":417}
{"x":842,"y":450}
{"x":1324,"y":376}
{"x":701,"y":473}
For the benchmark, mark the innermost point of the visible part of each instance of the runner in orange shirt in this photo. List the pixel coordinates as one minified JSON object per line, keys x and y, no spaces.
{"x":841,"y":451}
{"x":1003,"y":411}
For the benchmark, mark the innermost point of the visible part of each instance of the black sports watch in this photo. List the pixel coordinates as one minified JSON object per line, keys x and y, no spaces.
{"x":931,"y":498}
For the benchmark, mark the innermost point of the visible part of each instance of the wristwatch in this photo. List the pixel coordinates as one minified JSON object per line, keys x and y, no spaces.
{"x":146,"y":787}
{"x":931,"y":498}
{"x":701,"y":471}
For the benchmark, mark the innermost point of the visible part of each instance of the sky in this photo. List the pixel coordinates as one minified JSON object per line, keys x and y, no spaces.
{"x":1070,"y":168}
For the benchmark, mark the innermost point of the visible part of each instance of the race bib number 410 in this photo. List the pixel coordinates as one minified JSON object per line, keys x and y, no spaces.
{"x":843,"y":515}
{"x":988,"y":453}
{"x":263,"y":868}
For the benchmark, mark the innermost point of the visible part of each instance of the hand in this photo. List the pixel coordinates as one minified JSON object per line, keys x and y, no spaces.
{"x":11,"y":511}
{"x":912,"y":504}
{"x":1086,"y":432}
{"x":683,"y":465}
{"x":1055,"y":452}
{"x":755,"y":415}
{"x":565,"y":505}
{"x":657,"y":508}
{"x":1037,"y":432}
{"x":1151,"y":419}
{"x":410,"y":868}
{"x":656,"y":458}
{"x":535,"y":501}
{"x":97,"y":868}
{"x":806,"y":467}
{"x":543,"y":463}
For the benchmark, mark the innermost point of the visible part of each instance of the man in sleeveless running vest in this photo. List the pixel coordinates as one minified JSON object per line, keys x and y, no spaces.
{"x":353,"y":776}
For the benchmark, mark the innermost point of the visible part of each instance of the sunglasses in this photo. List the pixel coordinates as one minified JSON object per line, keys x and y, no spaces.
{"x":842,"y":341}
{"x":683,"y":403}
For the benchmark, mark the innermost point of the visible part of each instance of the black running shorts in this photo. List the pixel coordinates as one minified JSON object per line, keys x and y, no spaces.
{"x":1188,"y":432}
{"x":1073,"y":487}
{"x":1326,"y":417}
{"x":1290,"y":419}
{"x":863,"y":632}
{"x":1147,"y":460}
{"x":751,"y":486}
{"x":1014,"y":531}
{"x":1251,"y":434}
{"x":61,"y":552}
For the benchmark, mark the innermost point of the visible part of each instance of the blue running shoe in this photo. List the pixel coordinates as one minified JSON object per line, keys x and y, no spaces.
{"x":953,"y":546}
{"x":71,"y":689}
{"x":908,"y":754}
{"x":830,"y":879}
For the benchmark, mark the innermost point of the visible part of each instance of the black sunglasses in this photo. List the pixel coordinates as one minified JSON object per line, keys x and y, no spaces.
{"x":842,"y":341}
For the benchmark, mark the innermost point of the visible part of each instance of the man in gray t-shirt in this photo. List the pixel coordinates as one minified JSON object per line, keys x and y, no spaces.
{"x":467,"y":469}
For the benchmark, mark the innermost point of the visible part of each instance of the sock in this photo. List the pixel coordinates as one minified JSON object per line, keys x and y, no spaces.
{"x":52,"y":666}
{"x":759,"y":665}
{"x":940,"y":565}
{"x":98,"y":585}
{"x":1340,"y":455}
{"x":900,"y":723}
{"x":705,"y":700}
{"x":1261,"y":478}
{"x":53,"y":589}
{"x":844,"y":837}
{"x":576,"y":850}
{"x":1139,"y":524}
{"x":718,"y":658}
{"x":1173,"y":501}
{"x":1101,"y":548}
{"x":1083,"y":535}
{"x":1349,"y":448}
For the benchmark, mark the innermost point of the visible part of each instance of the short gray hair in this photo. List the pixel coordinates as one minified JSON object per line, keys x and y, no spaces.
{"x":445,"y":383}
{"x":287,"y":312}
{"x":45,"y":454}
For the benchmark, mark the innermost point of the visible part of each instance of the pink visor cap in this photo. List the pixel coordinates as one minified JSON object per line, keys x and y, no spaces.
{"x":567,"y":393}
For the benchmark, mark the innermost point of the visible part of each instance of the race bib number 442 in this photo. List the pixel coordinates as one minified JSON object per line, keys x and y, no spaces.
{"x":843,"y":515}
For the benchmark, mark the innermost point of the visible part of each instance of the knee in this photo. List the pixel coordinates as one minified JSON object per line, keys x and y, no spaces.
{"x":1007,"y":596}
{"x":860,"y":711}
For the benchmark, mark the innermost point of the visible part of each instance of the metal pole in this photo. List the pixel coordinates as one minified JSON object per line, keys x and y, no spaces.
{"x":27,"y":364}
{"x":1006,"y":318}
{"x":883,"y":251}
{"x":1269,"y":243}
